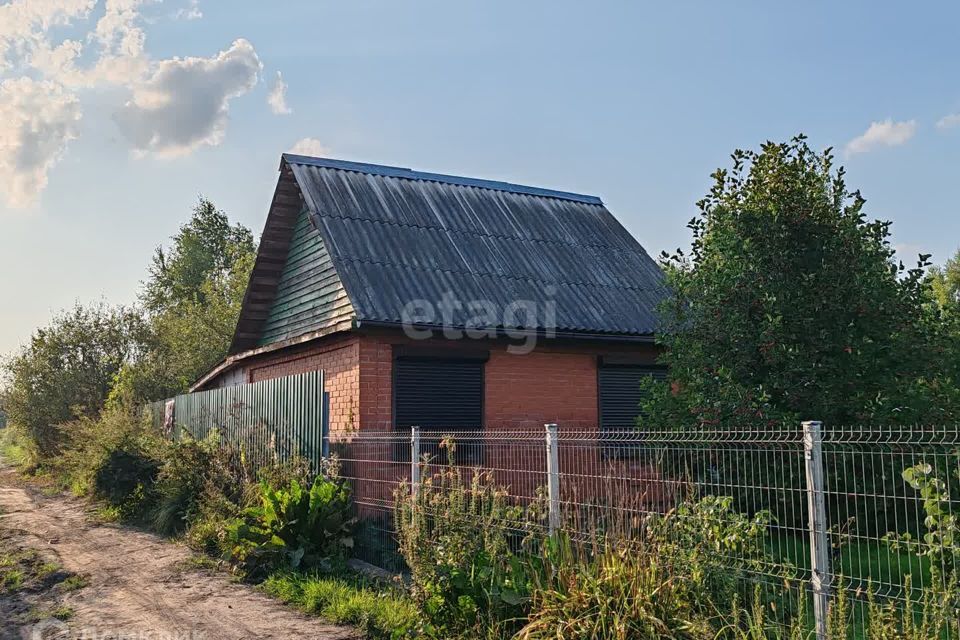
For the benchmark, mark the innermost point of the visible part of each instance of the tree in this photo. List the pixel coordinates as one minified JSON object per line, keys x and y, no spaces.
{"x":790,"y":305}
{"x":944,"y":283}
{"x":207,"y":248}
{"x":67,"y":370}
{"x":192,"y":299}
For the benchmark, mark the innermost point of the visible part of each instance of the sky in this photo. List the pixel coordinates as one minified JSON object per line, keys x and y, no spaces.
{"x":116,"y":114}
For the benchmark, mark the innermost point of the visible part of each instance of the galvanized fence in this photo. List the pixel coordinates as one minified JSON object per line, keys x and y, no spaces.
{"x":271,"y":421}
{"x":839,"y":513}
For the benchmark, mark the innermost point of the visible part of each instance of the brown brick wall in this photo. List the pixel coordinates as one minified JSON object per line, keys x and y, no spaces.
{"x":555,"y":383}
{"x":339,"y":357}
{"x":523,"y":391}
{"x":376,"y":384}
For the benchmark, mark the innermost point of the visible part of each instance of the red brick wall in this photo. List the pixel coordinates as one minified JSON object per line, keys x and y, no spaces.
{"x":555,"y":383}
{"x":551,"y":384}
{"x":528,"y":390}
{"x":376,"y":384}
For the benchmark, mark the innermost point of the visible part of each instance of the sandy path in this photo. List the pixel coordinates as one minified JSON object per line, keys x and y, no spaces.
{"x":138,"y":584}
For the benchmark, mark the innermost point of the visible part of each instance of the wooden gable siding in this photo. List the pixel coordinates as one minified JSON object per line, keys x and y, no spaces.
{"x":281,"y":220}
{"x":309,"y":295}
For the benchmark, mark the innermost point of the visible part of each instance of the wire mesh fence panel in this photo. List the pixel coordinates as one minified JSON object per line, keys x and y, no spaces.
{"x":739,"y":499}
{"x":893,"y":506}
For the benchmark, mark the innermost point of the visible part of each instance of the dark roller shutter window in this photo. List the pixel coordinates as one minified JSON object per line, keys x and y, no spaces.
{"x":620,"y":394}
{"x":440,"y":396}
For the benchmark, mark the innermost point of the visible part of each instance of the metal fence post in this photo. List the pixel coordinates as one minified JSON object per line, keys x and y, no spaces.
{"x":553,"y":477}
{"x":414,"y":461}
{"x":820,"y":577}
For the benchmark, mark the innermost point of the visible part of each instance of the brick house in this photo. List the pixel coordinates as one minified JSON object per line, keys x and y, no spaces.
{"x":449,"y":303}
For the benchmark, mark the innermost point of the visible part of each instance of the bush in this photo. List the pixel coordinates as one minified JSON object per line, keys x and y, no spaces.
{"x":455,"y":537}
{"x":125,"y":478}
{"x":292,"y":526}
{"x":115,"y":457}
{"x":180,"y":484}
{"x":15,"y":448}
{"x":720,"y":550}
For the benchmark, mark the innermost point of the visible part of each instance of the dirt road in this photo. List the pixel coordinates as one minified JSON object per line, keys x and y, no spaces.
{"x":139,"y":586}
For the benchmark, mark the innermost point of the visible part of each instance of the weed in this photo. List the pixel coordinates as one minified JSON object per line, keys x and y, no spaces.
{"x":12,"y":580}
{"x":74,"y":582}
{"x":293,"y":525}
{"x":63,"y":612}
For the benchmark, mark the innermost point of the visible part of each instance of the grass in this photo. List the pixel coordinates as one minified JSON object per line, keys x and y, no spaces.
{"x":378,"y":609}
{"x":73,"y":583}
{"x":12,"y":448}
{"x":860,"y":562}
{"x":12,"y":580}
{"x":199,"y":562}
{"x":107,"y":513}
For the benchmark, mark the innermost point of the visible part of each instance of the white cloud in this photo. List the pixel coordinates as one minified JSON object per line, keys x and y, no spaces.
{"x":310,"y":147}
{"x":190,"y":12}
{"x":174,"y":105}
{"x":949,"y":121}
{"x":184,"y":103}
{"x":277,"y":98}
{"x":37,"y":120}
{"x":24,"y":23}
{"x":882,"y":134}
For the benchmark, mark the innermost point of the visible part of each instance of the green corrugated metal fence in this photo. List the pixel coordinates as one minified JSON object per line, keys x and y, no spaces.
{"x":270,"y":421}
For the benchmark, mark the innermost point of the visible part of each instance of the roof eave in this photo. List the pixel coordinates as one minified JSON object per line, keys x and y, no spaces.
{"x":228,"y":363}
{"x":520,"y":333}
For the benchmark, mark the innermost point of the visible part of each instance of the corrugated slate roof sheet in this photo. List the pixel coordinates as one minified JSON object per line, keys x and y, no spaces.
{"x":397,"y":235}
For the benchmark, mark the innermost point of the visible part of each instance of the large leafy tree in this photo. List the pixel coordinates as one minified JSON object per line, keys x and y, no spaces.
{"x":67,"y":369}
{"x":192,"y":300}
{"x":790,"y":305}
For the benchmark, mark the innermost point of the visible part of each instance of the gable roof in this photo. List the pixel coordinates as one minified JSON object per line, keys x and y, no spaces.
{"x":396,"y":235}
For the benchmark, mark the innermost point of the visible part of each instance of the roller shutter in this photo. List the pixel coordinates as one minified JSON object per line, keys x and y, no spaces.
{"x":620,"y":394}
{"x":440,"y":394}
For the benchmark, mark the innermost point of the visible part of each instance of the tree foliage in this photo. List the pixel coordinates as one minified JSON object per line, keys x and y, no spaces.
{"x":192,"y":300}
{"x":67,"y":370}
{"x":944,"y":284}
{"x":205,"y":252}
{"x":790,"y":305}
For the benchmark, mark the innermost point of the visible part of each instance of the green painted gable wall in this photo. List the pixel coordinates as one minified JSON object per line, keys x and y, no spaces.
{"x":310,"y":296}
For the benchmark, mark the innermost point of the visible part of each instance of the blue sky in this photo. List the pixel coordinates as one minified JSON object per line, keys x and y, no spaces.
{"x":155,"y":102}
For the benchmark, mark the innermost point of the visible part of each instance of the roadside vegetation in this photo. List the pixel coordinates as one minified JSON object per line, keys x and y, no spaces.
{"x":791,"y":304}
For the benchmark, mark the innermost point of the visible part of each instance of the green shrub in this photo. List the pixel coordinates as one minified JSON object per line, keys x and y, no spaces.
{"x":125,"y":478}
{"x":114,"y":457}
{"x":455,"y":538}
{"x":721,"y":552}
{"x":180,"y":484}
{"x":15,"y":448}
{"x":292,"y":526}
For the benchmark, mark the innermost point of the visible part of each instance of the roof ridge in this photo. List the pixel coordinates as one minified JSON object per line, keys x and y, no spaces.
{"x":478,"y":234}
{"x":410,"y":174}
{"x":383,"y":263}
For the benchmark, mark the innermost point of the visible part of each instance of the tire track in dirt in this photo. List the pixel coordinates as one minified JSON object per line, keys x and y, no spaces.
{"x":138,"y":584}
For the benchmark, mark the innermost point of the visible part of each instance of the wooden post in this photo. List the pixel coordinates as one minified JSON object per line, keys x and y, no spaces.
{"x":553,"y":477}
{"x":820,"y":577}
{"x":414,"y":460}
